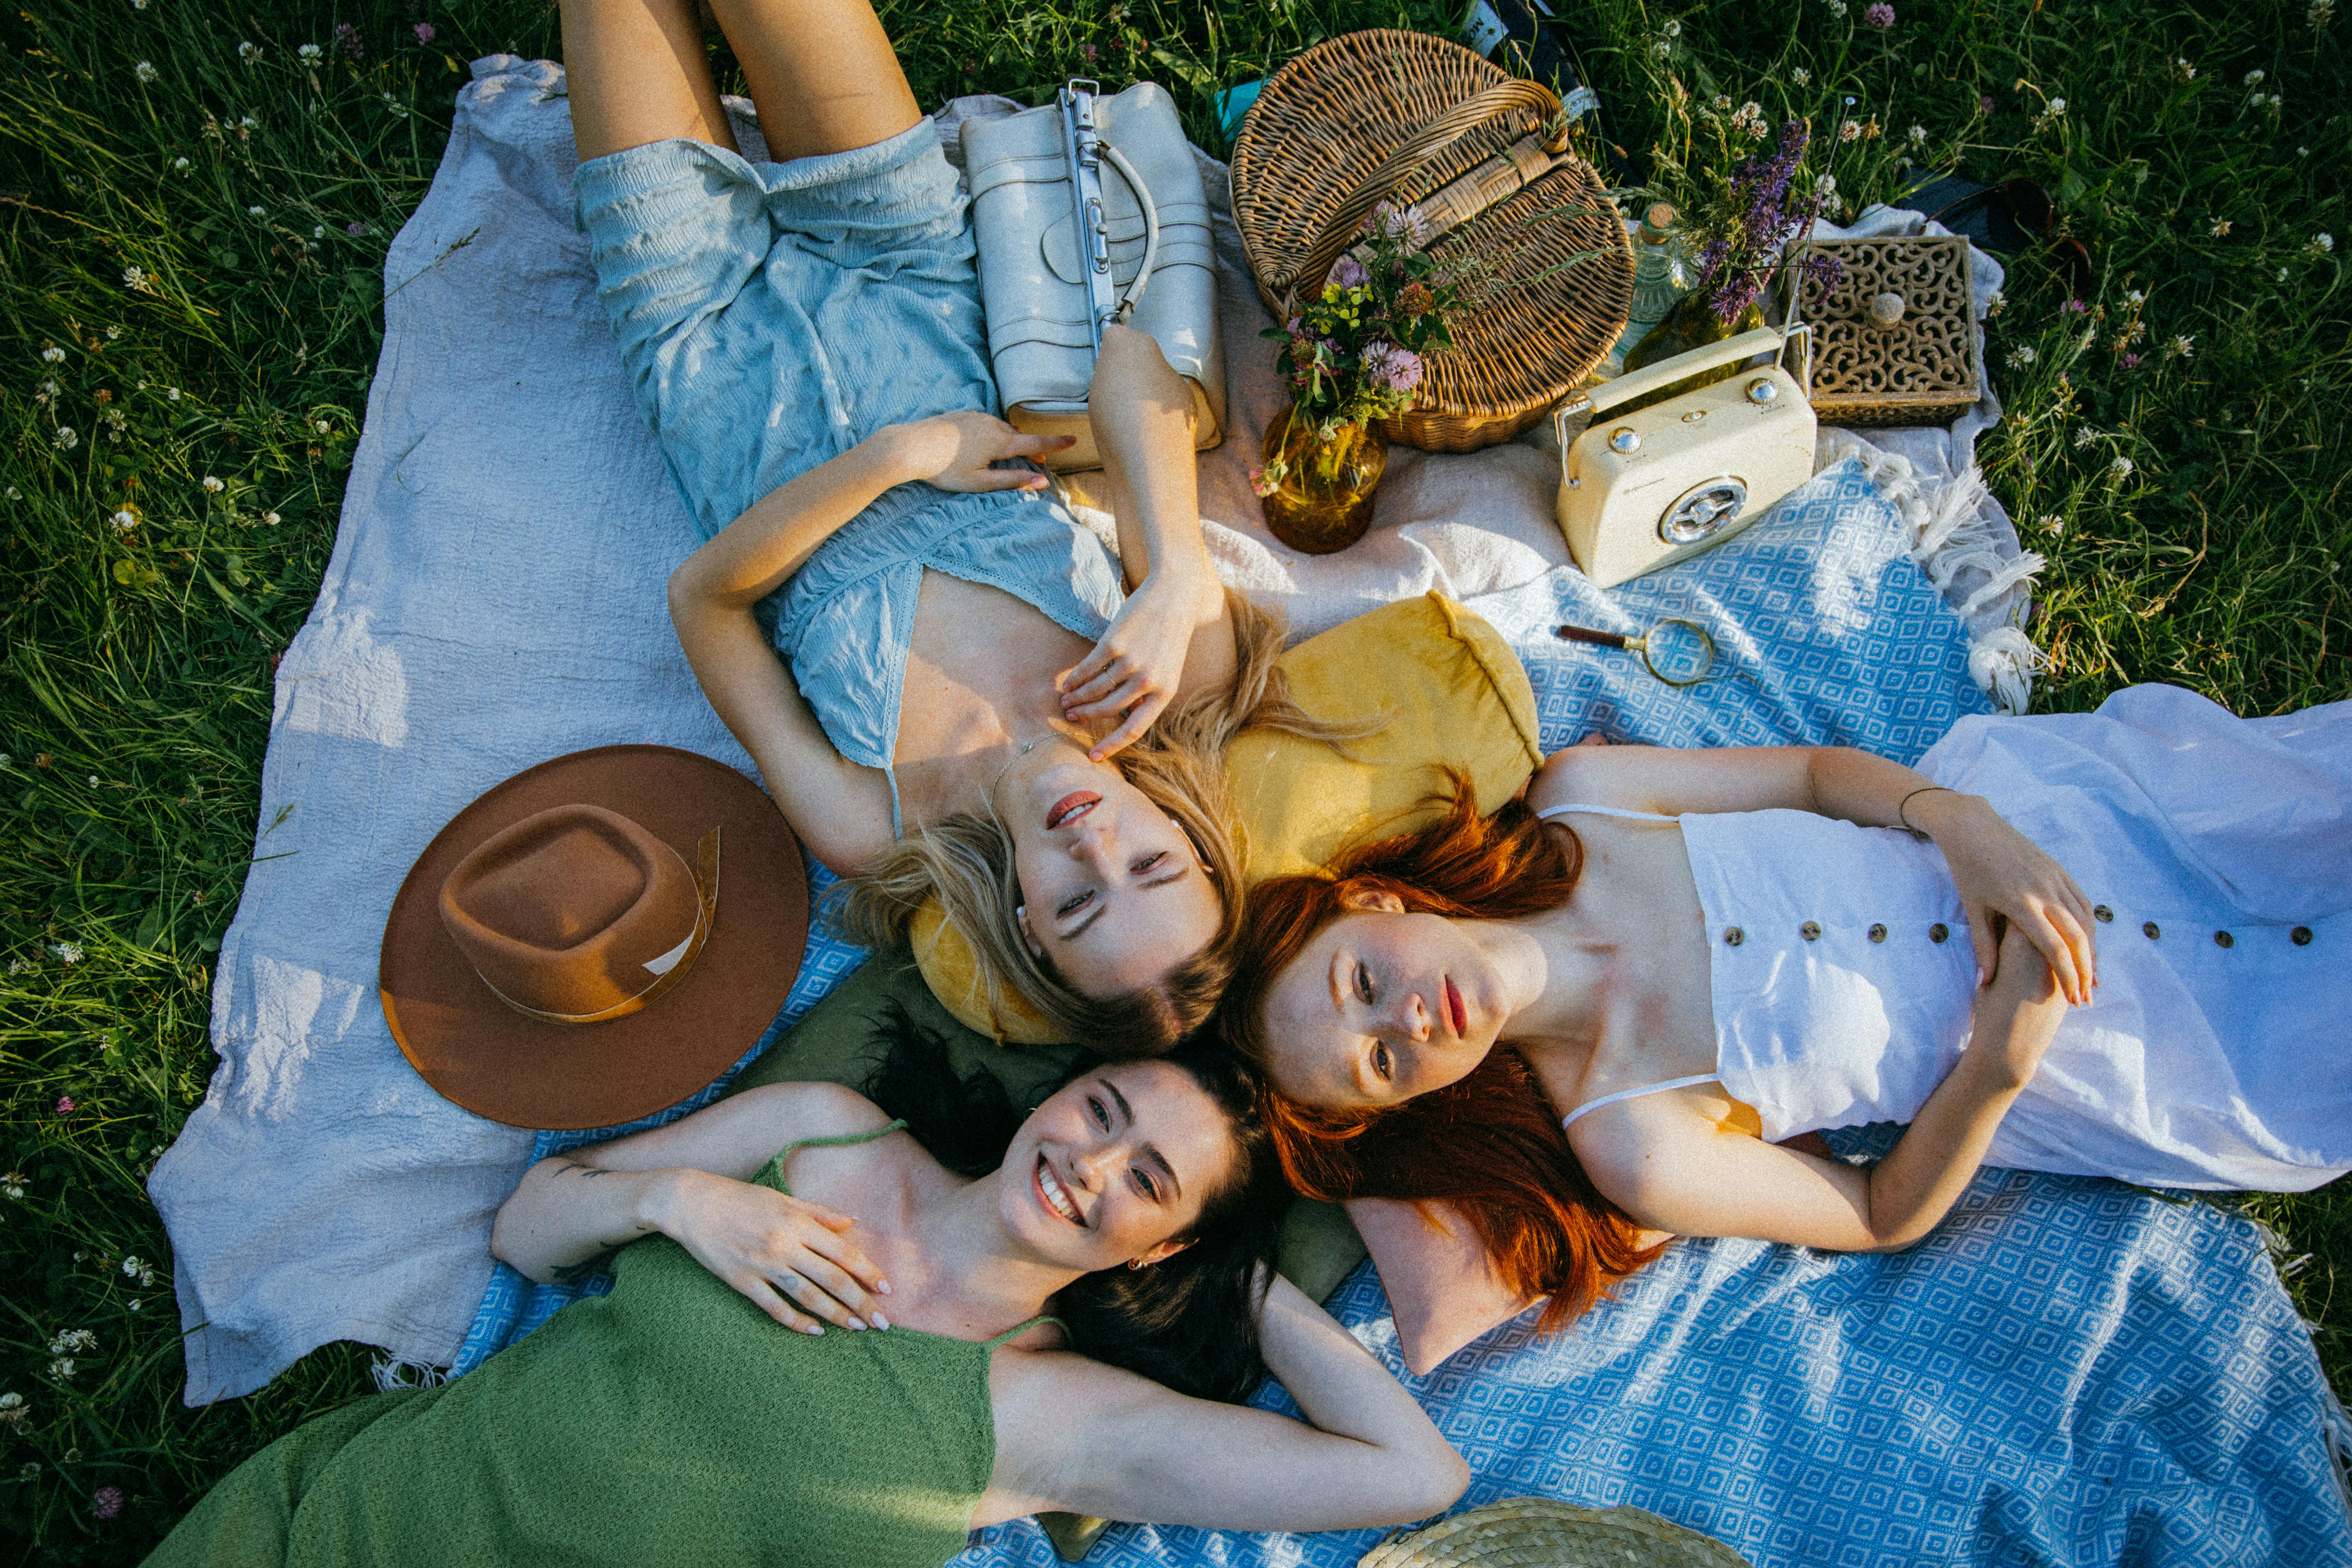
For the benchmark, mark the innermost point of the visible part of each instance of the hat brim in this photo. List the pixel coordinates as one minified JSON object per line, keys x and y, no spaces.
{"x":477,"y":1051}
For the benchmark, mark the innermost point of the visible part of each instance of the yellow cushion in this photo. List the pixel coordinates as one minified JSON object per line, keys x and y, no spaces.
{"x":1451,"y":692}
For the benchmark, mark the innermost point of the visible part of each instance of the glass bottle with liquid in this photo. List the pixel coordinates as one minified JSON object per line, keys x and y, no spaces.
{"x":1662,"y":274}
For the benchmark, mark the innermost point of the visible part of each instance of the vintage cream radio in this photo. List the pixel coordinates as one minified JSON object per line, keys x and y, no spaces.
{"x":1646,"y":488}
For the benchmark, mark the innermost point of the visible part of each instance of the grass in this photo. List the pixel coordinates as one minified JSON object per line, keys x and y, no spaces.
{"x":190,"y":281}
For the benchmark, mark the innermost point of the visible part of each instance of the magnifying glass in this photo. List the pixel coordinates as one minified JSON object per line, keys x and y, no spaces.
{"x":1677,"y":652}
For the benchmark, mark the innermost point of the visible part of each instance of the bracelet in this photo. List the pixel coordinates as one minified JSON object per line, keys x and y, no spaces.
{"x":1907,"y":800}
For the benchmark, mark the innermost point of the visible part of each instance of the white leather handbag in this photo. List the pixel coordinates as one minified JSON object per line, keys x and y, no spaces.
{"x":1660,"y":483}
{"x":1087,"y":211}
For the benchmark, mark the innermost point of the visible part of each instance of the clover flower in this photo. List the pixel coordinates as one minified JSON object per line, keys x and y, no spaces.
{"x":309,"y":53}
{"x":145,"y":70}
{"x":53,"y":355}
{"x":124,"y":521}
{"x":254,"y":212}
{"x":1881,"y":17}
{"x":66,"y":438}
{"x":13,"y":1184}
{"x":2184,"y":70}
{"x":1837,"y":7}
{"x":2121,"y":467}
{"x":2084,"y":437}
{"x":106,"y":1502}
{"x":1918,"y":135}
{"x":248,"y":53}
{"x":180,"y":164}
{"x":2050,"y":522}
{"x":2320,"y":14}
{"x":270,"y":518}
{"x":68,"y":953}
{"x":134,"y":279}
{"x":1801,"y":77}
{"x":2253,"y":78}
{"x":1850,"y":131}
{"x":214,"y":485}
{"x":1397,"y":369}
{"x":2021,"y":356}
{"x":171,"y":393}
{"x":2321,"y":244}
{"x":2219,"y":228}
{"x":1749,"y":121}
{"x":62,"y":1368}
{"x":348,"y":39}
{"x":322,"y":427}
{"x":1346,"y":273}
{"x":2180,"y":347}
{"x":1673,"y":29}
{"x":424,"y":31}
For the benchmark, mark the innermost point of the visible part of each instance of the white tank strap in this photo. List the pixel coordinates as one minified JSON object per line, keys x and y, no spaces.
{"x":1552,"y":811}
{"x":1592,"y":1105}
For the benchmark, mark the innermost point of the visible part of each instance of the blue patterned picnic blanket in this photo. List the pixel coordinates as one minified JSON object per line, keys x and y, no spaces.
{"x":2068,"y":1371}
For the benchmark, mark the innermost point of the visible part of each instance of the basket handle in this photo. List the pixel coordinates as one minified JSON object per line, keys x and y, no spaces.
{"x":1339,"y":229}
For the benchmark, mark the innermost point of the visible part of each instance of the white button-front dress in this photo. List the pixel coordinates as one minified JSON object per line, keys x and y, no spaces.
{"x":2217,"y":1052}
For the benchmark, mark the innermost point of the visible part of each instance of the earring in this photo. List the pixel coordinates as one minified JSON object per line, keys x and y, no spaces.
{"x":1135,"y":1263}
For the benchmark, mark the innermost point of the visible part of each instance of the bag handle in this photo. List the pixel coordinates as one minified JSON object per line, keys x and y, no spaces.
{"x":1340,"y":230}
{"x":1592,"y":403}
{"x":1134,"y":296}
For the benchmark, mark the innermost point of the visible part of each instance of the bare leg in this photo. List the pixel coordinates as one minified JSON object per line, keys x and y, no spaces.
{"x":823,"y":74}
{"x":637,"y":74}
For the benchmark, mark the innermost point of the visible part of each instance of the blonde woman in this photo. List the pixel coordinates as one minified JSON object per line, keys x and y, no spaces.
{"x":948,"y":684}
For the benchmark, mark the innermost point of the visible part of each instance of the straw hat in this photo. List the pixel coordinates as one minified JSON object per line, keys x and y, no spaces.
{"x":559,"y":956}
{"x":1537,"y":1532}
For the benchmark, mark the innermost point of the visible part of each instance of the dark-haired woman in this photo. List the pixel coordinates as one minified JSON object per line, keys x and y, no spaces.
{"x":702,"y":1414}
{"x":1740,"y":943}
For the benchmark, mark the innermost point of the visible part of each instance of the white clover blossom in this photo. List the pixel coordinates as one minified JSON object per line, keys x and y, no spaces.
{"x":62,"y":1367}
{"x":13,"y":1184}
{"x":248,"y":52}
{"x":2085,"y":436}
{"x":1850,"y":131}
{"x":124,"y":521}
{"x":319,"y":231}
{"x":2253,"y":78}
{"x":2180,"y":347}
{"x":2135,"y":297}
{"x":1673,"y":29}
{"x":1837,"y":7}
{"x":1919,"y":135}
{"x":2121,"y":467}
{"x":2281,"y":274}
{"x":1826,"y":186}
{"x":12,"y":1400}
{"x":145,"y":70}
{"x":2321,"y":244}
{"x":52,"y":354}
{"x":15,"y":494}
{"x":311,"y":53}
{"x":320,"y":425}
{"x":1659,"y":49}
{"x":112,"y":333}
{"x":73,"y":1342}
{"x":172,"y":393}
{"x":2021,"y":356}
{"x":254,"y":212}
{"x":2184,"y":70}
{"x":2219,"y":228}
{"x":270,"y":518}
{"x":214,"y":485}
{"x":66,"y":438}
{"x":1801,"y":77}
{"x":134,"y":277}
{"x":179,"y":164}
{"x":2057,"y":106}
{"x":2050,"y":522}
{"x":2321,"y":13}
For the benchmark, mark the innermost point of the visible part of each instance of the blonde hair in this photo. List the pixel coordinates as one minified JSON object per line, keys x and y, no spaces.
{"x":1179,"y":765}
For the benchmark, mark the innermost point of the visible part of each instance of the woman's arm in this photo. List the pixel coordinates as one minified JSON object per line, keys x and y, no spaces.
{"x":2002,"y":877}
{"x":842,"y":811}
{"x":690,"y":1181}
{"x":1075,"y":1435}
{"x":1172,"y":637}
{"x":1672,"y":1169}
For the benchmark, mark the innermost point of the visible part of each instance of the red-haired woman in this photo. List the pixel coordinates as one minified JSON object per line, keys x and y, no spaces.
{"x":1731,"y":948}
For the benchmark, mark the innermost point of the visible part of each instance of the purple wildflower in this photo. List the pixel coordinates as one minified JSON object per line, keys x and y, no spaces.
{"x":1824,"y":269}
{"x":1881,"y":15}
{"x":348,"y":39}
{"x":1347,"y":272}
{"x":65,"y":1105}
{"x":106,"y":1502}
{"x":2074,"y":308}
{"x":1089,"y":53}
{"x":355,"y":229}
{"x":424,"y":31}
{"x":2131,"y":361}
{"x":1398,"y":369}
{"x":1984,"y":103}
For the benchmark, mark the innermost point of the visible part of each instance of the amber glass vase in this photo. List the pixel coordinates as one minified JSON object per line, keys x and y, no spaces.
{"x":1323,"y":500}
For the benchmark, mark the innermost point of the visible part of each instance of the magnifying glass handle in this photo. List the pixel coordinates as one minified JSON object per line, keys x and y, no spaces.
{"x":1599,"y":639}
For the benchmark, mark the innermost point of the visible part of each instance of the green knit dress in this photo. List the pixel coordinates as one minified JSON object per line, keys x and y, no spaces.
{"x":670,"y":1422}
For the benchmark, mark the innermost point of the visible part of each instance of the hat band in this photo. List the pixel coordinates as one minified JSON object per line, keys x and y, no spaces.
{"x":706,"y":917}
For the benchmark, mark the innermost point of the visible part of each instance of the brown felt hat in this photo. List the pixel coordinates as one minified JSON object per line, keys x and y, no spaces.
{"x":559,"y":956}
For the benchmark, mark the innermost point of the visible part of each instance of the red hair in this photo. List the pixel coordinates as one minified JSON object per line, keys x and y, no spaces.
{"x":1490,"y":1142}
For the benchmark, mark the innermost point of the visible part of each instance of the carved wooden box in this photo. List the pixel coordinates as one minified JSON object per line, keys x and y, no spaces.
{"x":1894,"y":343}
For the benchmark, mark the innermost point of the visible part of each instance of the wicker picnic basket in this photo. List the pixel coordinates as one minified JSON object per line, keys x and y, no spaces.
{"x":1385,"y":115}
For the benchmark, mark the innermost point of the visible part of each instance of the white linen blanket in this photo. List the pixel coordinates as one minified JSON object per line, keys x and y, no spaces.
{"x":494,"y":598}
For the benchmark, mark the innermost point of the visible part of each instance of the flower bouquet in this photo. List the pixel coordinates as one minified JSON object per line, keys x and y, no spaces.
{"x":1352,"y":358}
{"x":1740,"y":222}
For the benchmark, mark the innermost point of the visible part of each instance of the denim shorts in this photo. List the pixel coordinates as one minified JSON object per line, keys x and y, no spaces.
{"x":771,"y":316}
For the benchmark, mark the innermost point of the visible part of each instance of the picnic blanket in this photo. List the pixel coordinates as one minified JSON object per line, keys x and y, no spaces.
{"x":2067,"y":1371}
{"x":494,"y":598}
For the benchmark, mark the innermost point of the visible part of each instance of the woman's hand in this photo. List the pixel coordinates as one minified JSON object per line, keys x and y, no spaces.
{"x":2003,"y":876}
{"x":956,"y":451}
{"x":770,"y":1246}
{"x":1137,"y":666}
